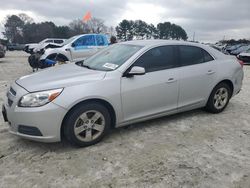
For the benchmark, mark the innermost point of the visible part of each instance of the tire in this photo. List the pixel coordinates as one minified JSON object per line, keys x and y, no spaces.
{"x":87,"y":124}
{"x":51,"y":57}
{"x":219,"y":98}
{"x":62,"y":58}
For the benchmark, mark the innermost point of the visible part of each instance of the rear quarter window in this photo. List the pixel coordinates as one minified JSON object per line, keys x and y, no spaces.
{"x":207,"y":56}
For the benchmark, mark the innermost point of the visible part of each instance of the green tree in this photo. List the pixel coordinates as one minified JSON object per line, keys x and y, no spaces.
{"x":167,"y":30}
{"x":13,"y":29}
{"x":140,"y":29}
{"x":25,"y":18}
{"x":152,"y":32}
{"x":164,"y":30}
{"x":125,"y":30}
{"x":177,"y":32}
{"x":62,"y":32}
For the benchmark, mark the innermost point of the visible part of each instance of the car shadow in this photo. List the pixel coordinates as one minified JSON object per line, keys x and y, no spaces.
{"x":64,"y":146}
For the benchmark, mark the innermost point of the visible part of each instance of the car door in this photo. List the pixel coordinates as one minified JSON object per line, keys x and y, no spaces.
{"x":154,"y":92}
{"x":101,"y":41}
{"x":83,"y":47}
{"x":198,"y":72}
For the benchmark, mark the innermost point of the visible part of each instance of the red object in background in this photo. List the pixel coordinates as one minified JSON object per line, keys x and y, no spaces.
{"x":87,"y":17}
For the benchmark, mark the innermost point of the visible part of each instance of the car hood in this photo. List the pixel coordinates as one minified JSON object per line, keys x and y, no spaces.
{"x":58,"y":77}
{"x":52,"y":50}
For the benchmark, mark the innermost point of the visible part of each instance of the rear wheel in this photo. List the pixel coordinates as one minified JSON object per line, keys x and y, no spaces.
{"x":219,"y":98}
{"x":87,"y":124}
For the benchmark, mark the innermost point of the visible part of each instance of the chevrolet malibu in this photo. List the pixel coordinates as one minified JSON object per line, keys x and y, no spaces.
{"x":123,"y":84}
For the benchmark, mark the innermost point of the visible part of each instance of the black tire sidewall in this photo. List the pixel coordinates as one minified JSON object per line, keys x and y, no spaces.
{"x":210,"y":104}
{"x":75,"y":113}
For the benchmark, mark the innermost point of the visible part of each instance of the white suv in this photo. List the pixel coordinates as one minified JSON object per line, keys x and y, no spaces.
{"x":34,"y":47}
{"x":76,"y":48}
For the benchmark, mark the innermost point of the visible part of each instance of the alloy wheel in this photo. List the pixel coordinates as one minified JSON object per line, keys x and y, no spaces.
{"x":89,"y":126}
{"x":220,"y":98}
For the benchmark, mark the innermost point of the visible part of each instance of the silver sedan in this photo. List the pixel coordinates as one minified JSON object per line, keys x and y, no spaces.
{"x":122,"y":84}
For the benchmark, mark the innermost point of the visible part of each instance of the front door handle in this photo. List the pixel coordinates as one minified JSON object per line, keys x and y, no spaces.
{"x":210,"y":72}
{"x":171,"y":80}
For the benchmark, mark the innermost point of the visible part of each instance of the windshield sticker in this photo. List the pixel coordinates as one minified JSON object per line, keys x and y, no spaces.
{"x":110,"y":66}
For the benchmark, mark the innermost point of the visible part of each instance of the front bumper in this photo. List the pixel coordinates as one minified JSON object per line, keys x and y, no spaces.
{"x":38,"y":123}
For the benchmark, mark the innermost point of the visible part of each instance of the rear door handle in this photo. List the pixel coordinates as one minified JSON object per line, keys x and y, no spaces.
{"x":171,"y":80}
{"x":210,"y":72}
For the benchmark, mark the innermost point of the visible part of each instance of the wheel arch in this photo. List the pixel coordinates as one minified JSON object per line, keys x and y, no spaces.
{"x":229,"y":83}
{"x":96,"y":100}
{"x":64,"y":57}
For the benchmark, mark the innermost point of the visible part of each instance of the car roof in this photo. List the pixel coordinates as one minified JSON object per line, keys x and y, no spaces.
{"x":89,"y":34}
{"x":155,"y":42}
{"x":53,"y":39}
{"x":158,"y":42}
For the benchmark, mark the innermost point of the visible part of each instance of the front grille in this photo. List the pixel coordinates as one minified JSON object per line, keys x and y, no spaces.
{"x":12,"y":91}
{"x":11,"y":95}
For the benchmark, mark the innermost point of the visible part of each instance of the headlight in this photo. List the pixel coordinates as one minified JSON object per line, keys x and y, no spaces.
{"x":39,"y":98}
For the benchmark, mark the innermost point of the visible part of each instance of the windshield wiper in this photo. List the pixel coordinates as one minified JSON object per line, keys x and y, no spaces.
{"x":81,"y":63}
{"x":86,"y":66}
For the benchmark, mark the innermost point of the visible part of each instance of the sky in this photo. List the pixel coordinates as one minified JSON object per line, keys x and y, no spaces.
{"x":210,"y":20}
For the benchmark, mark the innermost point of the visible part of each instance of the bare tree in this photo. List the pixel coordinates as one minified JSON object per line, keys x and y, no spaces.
{"x":97,"y":25}
{"x":79,"y":27}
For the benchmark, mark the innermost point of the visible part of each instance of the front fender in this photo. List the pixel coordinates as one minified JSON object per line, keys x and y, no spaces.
{"x":51,"y":51}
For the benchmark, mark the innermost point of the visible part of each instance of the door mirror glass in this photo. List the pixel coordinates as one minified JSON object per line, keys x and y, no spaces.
{"x":136,"y":70}
{"x":73,"y":44}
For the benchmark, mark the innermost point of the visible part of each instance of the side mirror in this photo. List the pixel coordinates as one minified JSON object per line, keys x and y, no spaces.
{"x":73,"y":44}
{"x":136,"y":71}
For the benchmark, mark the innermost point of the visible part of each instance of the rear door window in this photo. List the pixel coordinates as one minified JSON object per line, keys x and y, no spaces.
{"x":190,"y":55}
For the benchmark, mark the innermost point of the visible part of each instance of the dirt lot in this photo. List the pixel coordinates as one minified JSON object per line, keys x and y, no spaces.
{"x":193,"y":149}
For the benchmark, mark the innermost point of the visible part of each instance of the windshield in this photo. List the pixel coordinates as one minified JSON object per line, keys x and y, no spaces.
{"x":112,"y":57}
{"x":42,"y":41}
{"x":69,"y":40}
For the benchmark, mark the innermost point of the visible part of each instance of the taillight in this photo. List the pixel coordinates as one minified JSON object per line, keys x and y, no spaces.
{"x":241,"y":63}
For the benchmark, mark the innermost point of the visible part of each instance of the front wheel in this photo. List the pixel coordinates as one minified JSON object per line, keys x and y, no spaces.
{"x":219,"y":98}
{"x":87,"y":124}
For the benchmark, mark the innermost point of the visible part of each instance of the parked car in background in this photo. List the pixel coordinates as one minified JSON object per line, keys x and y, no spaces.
{"x":219,"y":49}
{"x":34,"y":47}
{"x":2,"y":51}
{"x":76,"y":48}
{"x":240,"y":49}
{"x":245,"y":57}
{"x":122,"y":84}
{"x":14,"y":46}
{"x":230,"y":48}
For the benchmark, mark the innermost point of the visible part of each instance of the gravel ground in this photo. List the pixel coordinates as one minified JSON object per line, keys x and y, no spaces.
{"x":192,"y":149}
